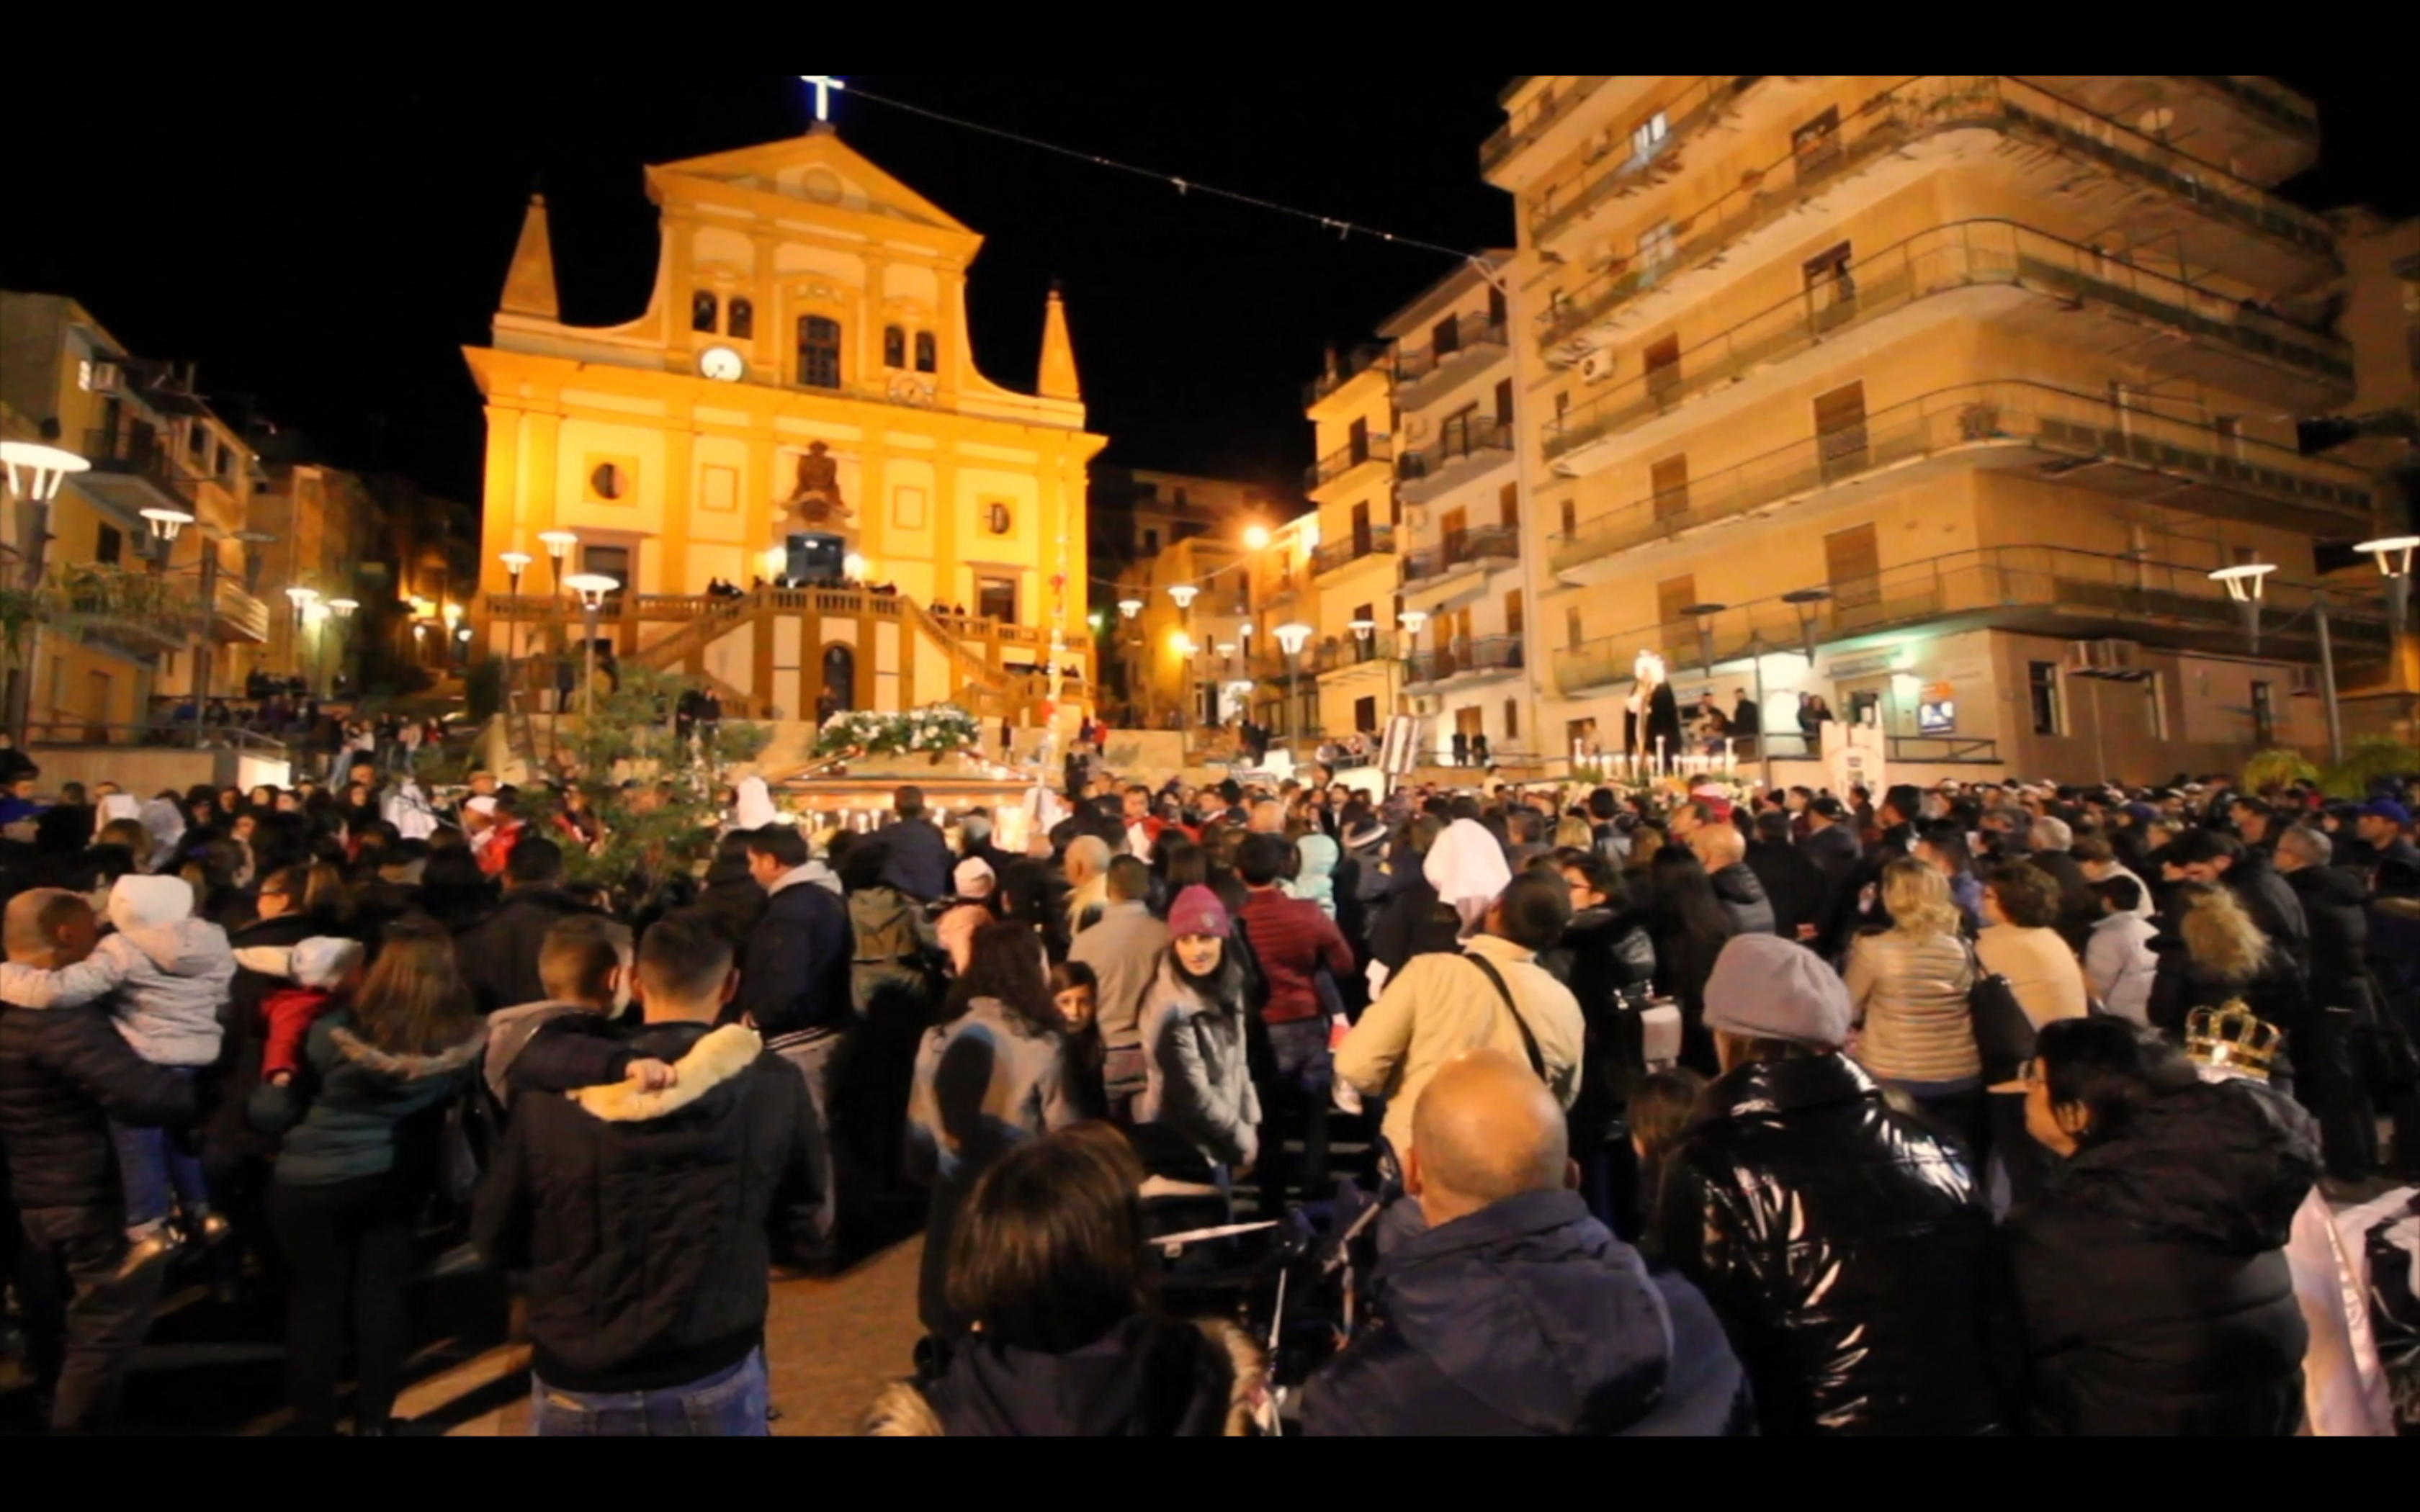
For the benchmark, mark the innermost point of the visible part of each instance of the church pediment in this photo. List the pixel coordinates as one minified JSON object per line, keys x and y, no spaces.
{"x":815,"y":170}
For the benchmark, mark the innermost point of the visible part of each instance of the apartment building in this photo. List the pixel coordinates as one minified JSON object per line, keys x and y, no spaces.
{"x":1939,"y":396}
{"x":321,"y":570}
{"x":143,"y":570}
{"x":1180,"y":650}
{"x":1459,"y":487}
{"x":1356,"y":568}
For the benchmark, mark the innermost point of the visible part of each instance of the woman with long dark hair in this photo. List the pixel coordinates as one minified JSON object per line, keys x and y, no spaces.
{"x":1691,"y":928}
{"x":1051,"y":1266}
{"x":991,"y":1076}
{"x":359,"y":1163}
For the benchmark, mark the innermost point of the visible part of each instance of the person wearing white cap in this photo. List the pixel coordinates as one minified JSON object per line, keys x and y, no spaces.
{"x":973,"y":883}
{"x":1843,"y":1244}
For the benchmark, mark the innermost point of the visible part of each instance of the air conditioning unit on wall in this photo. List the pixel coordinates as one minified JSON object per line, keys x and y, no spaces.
{"x":2117,"y":660}
{"x":2306,"y":683}
{"x":1597,"y":366}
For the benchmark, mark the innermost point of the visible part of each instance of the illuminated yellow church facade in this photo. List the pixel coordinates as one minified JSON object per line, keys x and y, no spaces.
{"x":799,"y":414}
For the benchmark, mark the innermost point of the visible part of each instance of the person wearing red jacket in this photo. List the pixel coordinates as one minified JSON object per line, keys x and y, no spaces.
{"x":323,"y":969}
{"x":1294,"y":941}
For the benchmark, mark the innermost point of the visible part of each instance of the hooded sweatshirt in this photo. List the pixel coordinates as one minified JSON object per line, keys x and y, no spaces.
{"x":1317,"y":882}
{"x":1530,"y":1319}
{"x":171,"y":972}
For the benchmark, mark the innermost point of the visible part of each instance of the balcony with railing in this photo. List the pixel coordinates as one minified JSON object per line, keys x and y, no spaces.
{"x":1340,"y":467}
{"x":1377,"y":541}
{"x":139,"y":468}
{"x":1483,"y":549}
{"x":2042,"y":590}
{"x":2255,"y":126}
{"x":1465,"y":448}
{"x":2082,"y":440}
{"x":2282,"y":247}
{"x":237,"y":617}
{"x":2073,"y":293}
{"x":1423,"y":373}
{"x":1343,"y":369}
{"x":1476,"y":660}
{"x":1624,"y":162}
{"x":1537,"y":118}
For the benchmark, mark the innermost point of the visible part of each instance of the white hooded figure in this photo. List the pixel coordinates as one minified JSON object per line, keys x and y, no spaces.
{"x":165,"y":824}
{"x":755,"y":809}
{"x":410,"y":811}
{"x":1467,"y":869}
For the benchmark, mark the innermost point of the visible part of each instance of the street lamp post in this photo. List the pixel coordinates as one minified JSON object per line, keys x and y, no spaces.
{"x":1290,"y":639}
{"x":1184,"y":593}
{"x":591,"y":589}
{"x":2394,"y":558}
{"x":344,"y":610}
{"x":36,"y":474}
{"x":166,"y":525}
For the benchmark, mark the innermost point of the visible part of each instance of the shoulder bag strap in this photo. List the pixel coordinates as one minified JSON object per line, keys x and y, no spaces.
{"x":1504,"y":990}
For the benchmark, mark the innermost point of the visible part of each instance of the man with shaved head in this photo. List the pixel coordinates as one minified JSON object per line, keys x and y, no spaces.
{"x":1516,"y":1314}
{"x":64,"y":1073}
{"x":1722,"y":850}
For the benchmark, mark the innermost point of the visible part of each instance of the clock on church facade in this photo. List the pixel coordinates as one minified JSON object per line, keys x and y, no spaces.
{"x":797,"y":407}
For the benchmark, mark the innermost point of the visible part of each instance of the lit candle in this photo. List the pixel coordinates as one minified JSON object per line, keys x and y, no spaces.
{"x":1659,"y":753}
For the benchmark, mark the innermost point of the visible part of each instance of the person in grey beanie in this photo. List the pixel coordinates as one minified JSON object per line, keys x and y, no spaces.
{"x":1843,"y":1242}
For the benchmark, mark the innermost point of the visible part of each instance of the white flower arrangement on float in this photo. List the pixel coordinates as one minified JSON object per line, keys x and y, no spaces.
{"x":936,"y":729}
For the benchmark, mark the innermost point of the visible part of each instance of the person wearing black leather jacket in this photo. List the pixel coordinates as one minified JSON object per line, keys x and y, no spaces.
{"x":1842,"y":1244}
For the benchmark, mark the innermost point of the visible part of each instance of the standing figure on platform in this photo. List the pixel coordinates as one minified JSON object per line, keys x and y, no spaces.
{"x":1651,"y":722}
{"x":816,"y":502}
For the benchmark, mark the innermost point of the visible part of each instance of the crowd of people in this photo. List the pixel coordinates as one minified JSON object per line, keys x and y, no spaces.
{"x":1668,"y":1115}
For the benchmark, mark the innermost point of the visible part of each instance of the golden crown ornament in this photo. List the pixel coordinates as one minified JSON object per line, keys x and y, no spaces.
{"x":2233,"y":1039}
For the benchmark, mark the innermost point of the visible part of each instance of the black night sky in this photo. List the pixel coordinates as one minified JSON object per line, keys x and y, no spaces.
{"x":323,"y":249}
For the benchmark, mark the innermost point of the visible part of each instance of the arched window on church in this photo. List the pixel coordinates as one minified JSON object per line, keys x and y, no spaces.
{"x":895,"y":347}
{"x":819,"y":352}
{"x":705,"y":310}
{"x":928,"y":352}
{"x":743,"y":318}
{"x":840,"y":681}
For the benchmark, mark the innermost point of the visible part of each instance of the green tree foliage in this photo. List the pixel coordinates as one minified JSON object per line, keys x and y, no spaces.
{"x":660,"y":798}
{"x":2372,"y":757}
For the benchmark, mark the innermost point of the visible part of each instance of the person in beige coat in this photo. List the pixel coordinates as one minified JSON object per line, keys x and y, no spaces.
{"x":1442,"y":1006}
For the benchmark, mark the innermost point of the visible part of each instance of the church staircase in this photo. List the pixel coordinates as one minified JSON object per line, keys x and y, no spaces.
{"x":987,"y":690}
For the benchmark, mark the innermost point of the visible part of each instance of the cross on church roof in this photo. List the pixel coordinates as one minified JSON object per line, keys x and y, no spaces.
{"x":825,"y":85}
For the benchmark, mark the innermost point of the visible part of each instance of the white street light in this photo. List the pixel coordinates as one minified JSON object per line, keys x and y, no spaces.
{"x":2247,"y":584}
{"x":2394,"y":558}
{"x":1129,"y":608}
{"x":344,"y":607}
{"x":1414,"y":621}
{"x":1257,"y":537}
{"x":168,"y":524}
{"x":1184,"y":593}
{"x":591,"y":589}
{"x":36,"y":475}
{"x":35,"y":471}
{"x":558,"y":545}
{"x":1364,"y":628}
{"x":1293,"y":638}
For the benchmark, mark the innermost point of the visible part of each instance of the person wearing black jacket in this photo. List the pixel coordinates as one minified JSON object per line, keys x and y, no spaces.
{"x":64,"y":1074}
{"x":2149,"y":1281}
{"x":2079,"y":907}
{"x":2207,"y":855}
{"x":799,"y":952}
{"x":916,"y":859}
{"x":2342,"y":1002}
{"x":1796,"y":884}
{"x":648,"y":1221}
{"x":1608,"y":959}
{"x":500,"y":953}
